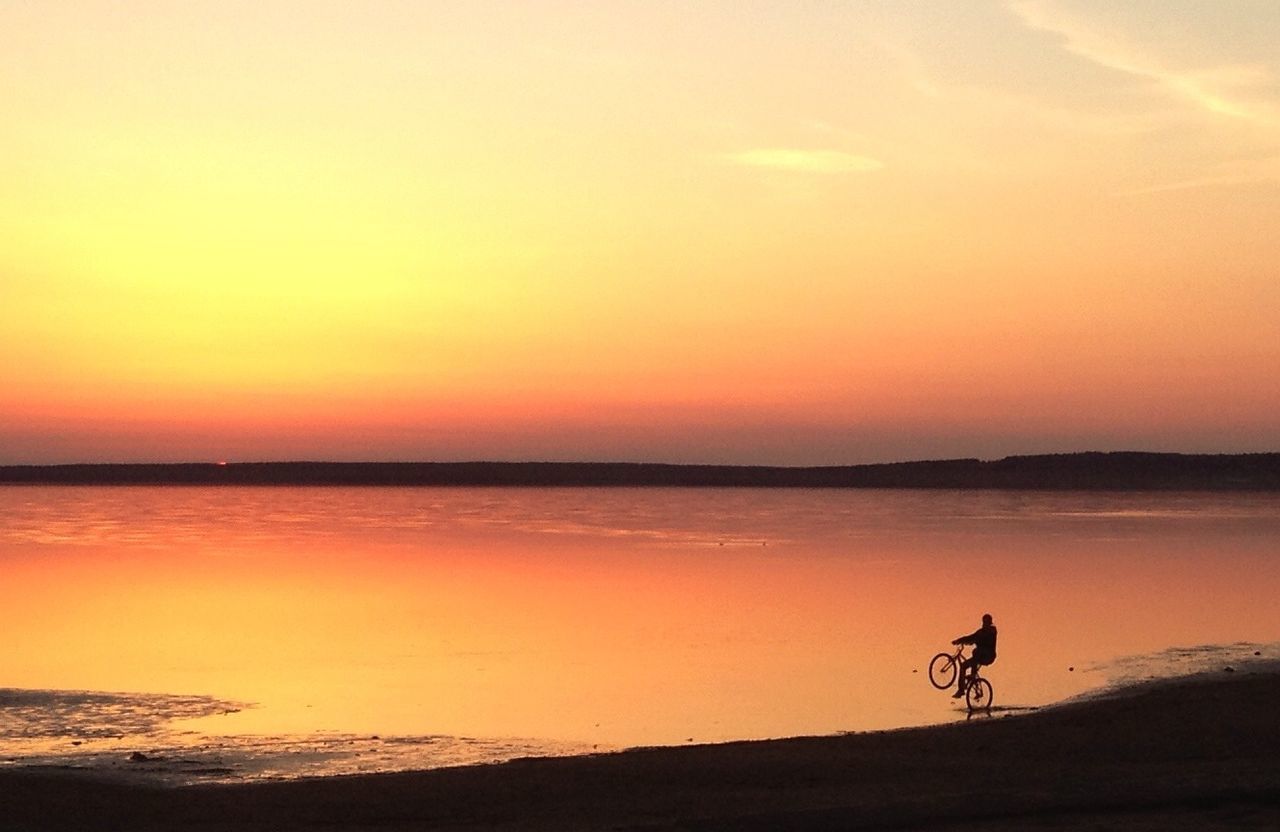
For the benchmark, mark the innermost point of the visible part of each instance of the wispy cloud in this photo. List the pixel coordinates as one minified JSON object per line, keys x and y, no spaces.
{"x":806,"y":161}
{"x":1202,"y":87}
{"x":995,"y":102}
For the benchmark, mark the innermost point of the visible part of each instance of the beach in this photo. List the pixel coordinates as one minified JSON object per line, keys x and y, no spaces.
{"x":1191,"y":753}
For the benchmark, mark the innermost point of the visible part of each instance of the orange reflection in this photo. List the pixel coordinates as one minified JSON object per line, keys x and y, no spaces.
{"x":619,"y":617}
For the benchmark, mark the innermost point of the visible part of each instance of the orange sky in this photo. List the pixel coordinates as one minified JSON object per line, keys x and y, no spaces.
{"x":739,"y":232}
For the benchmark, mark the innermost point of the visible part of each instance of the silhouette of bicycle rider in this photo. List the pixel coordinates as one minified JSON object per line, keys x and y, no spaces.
{"x":983,"y":640}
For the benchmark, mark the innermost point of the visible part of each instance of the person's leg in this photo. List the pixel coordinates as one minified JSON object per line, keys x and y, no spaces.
{"x":962,"y":683}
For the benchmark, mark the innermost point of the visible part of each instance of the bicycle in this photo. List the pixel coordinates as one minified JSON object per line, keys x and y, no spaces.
{"x":944,"y":669}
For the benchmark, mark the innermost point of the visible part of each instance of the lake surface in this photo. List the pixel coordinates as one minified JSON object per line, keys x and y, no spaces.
{"x":246,"y":632}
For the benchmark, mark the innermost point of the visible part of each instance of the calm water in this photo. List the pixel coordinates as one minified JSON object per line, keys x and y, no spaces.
{"x":285,"y":631}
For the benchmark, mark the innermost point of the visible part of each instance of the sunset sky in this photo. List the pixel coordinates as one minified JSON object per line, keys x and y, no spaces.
{"x":785,"y":233}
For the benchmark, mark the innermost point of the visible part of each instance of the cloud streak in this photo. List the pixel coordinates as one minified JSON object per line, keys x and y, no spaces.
{"x":1199,"y":87}
{"x":806,"y":161}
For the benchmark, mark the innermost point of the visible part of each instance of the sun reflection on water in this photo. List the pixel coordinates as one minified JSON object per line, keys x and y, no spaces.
{"x":584,"y":618}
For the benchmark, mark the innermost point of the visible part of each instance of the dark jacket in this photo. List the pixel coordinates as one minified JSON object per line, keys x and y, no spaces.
{"x":983,"y":640}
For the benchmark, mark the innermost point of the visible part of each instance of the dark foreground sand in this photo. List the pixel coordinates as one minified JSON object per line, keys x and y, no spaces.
{"x":1199,"y":754}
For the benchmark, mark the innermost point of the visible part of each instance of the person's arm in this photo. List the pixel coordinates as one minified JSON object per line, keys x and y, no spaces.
{"x":972,"y":638}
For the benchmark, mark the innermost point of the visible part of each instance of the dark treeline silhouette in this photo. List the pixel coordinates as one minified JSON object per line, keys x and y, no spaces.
{"x":1079,"y":471}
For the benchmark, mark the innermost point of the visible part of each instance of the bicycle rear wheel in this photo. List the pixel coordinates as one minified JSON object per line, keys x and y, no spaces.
{"x":978,"y":695}
{"x":942,"y":671}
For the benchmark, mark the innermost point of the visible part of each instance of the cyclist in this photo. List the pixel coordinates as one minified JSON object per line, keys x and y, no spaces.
{"x":983,"y":640}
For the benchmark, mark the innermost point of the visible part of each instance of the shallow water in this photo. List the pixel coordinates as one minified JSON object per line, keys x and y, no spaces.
{"x":297,"y":631}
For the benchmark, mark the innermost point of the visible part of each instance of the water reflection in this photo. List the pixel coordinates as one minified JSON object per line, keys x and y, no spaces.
{"x":157,"y":739}
{"x":608,"y":617}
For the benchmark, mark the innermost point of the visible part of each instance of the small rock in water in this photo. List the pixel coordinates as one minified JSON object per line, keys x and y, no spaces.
{"x":1229,"y":669}
{"x":1071,"y":669}
{"x":76,"y":742}
{"x":1257,"y":652}
{"x":138,"y":757}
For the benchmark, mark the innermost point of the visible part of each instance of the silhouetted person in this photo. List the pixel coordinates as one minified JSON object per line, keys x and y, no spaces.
{"x":983,"y":640}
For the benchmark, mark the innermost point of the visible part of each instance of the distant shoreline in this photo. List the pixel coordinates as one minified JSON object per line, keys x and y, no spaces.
{"x":1091,"y":471}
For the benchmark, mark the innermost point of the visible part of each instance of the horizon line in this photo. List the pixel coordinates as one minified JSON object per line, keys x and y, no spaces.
{"x":620,"y":462}
{"x":1085,"y":470}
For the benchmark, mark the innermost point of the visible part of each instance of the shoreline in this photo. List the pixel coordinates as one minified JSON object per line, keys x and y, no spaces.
{"x":1185,"y":753}
{"x":1085,"y":471}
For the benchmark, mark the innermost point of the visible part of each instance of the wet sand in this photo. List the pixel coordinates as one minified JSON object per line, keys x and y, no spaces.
{"x":1199,"y":753}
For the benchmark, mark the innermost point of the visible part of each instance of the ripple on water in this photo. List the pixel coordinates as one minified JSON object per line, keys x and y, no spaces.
{"x":1195,"y":660}
{"x":133,"y":737}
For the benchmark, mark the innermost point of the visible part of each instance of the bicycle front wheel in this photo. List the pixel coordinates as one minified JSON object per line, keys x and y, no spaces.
{"x":942,"y":671}
{"x":978,"y":695}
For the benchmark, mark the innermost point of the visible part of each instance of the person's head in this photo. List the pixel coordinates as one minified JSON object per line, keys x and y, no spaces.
{"x":986,"y":620}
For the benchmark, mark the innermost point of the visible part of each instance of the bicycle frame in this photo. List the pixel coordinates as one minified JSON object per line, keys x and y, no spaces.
{"x":947,"y":670}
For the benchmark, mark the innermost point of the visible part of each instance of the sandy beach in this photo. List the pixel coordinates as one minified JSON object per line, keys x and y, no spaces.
{"x":1193,"y":753}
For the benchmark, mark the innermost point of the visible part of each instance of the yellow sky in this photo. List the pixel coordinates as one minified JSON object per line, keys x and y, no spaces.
{"x":797,"y":233}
